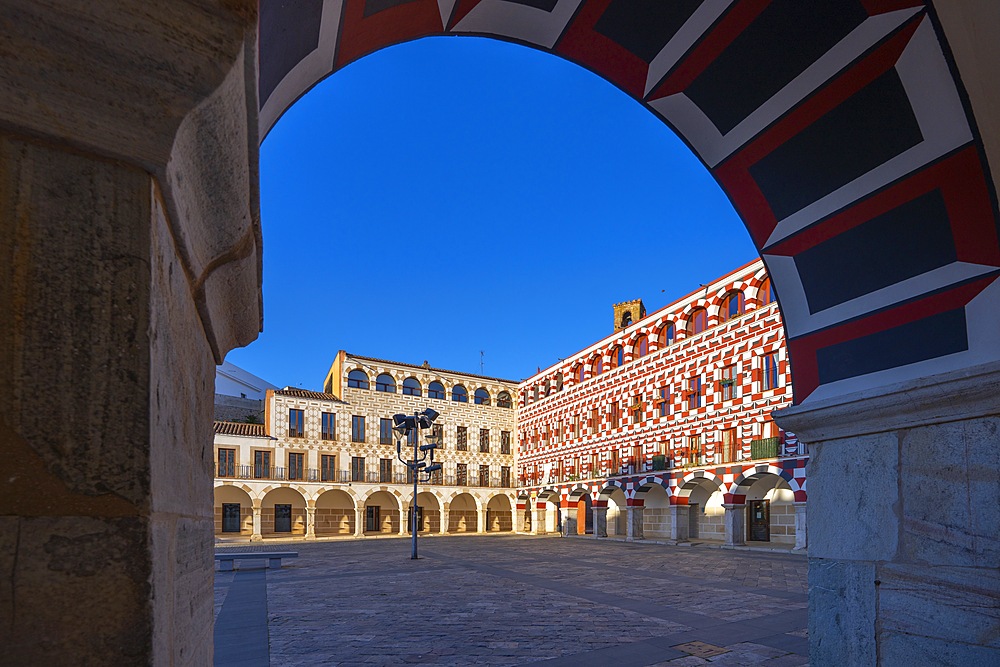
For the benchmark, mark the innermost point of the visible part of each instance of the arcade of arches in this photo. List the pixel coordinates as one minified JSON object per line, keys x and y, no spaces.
{"x":861,"y":139}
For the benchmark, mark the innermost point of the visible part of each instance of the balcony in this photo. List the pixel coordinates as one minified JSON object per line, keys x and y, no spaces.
{"x":765,"y":448}
{"x":348,"y":476}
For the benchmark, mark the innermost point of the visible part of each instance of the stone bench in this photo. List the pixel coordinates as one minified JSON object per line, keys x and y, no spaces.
{"x":273,"y":558}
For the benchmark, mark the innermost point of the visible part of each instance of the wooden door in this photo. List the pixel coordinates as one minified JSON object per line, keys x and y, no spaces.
{"x":759,"y":520}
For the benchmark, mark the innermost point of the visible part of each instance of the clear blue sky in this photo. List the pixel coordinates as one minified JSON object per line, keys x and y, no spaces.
{"x":455,"y":195}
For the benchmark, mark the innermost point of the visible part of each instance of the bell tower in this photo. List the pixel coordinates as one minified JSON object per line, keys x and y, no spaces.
{"x":628,"y":312}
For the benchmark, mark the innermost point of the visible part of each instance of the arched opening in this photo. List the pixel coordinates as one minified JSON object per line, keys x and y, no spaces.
{"x":697,"y":321}
{"x":732,"y":306}
{"x":617,"y":513}
{"x":381,"y":513}
{"x":435,"y":390}
{"x":233,"y":511}
{"x":357,"y":379}
{"x":504,"y":400}
{"x":703,"y":498}
{"x":428,"y":516}
{"x":335,"y":514}
{"x":548,"y":501}
{"x":282,"y":513}
{"x":385,"y":383}
{"x":524,"y":507}
{"x":770,"y":509}
{"x":463,"y":514}
{"x":482,"y":396}
{"x":656,"y":518}
{"x":499,"y":515}
{"x":411,"y":387}
{"x":459,"y":394}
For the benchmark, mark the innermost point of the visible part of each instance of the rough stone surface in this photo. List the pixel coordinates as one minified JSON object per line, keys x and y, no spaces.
{"x":841,"y":612}
{"x":855,"y":481}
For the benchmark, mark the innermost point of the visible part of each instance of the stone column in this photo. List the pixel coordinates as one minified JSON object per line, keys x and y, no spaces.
{"x":481,"y":520}
{"x":600,"y":522}
{"x":569,"y":520}
{"x":310,"y":523}
{"x":404,"y":520}
{"x":679,"y":526}
{"x":903,"y":518}
{"x":801,"y":539}
{"x":256,"y":536}
{"x":359,"y":521}
{"x":633,"y":523}
{"x":734,"y":521}
{"x":444,"y":521}
{"x":519,"y":519}
{"x":538,"y":521}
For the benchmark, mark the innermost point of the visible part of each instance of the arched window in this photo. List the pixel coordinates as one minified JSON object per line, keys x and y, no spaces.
{"x":481,"y":397}
{"x":385,"y":383}
{"x":435,"y":390}
{"x":732,"y":305}
{"x":626,"y":319}
{"x":411,"y":387}
{"x":698,"y":321}
{"x":503,"y":400}
{"x":598,"y":366}
{"x":617,"y":356}
{"x":765,"y":293}
{"x":581,"y":372}
{"x":357,"y":380}
{"x":559,"y":381}
{"x":546,"y":388}
{"x":459,"y":394}
{"x":667,"y":335}
{"x":641,"y":348}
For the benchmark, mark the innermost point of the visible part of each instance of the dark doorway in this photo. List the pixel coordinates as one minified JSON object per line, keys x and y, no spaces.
{"x":373,"y":519}
{"x":588,"y":517}
{"x":230,"y":517}
{"x":420,"y":519}
{"x":282,"y":518}
{"x":760,"y":520}
{"x":693,"y":520}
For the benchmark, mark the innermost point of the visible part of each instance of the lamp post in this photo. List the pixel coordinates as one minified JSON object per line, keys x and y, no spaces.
{"x":403,"y":426}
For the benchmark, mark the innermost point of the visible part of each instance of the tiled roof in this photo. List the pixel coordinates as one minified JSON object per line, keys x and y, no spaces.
{"x":305,"y":393}
{"x":429,"y":368}
{"x":238,"y":428}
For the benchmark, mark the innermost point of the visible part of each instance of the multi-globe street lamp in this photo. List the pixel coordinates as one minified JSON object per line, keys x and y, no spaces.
{"x":403,"y":426}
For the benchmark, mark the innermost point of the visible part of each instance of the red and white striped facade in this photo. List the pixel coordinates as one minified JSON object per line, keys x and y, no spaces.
{"x":683,"y":413}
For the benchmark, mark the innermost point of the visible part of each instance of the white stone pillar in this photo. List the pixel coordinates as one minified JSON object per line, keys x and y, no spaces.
{"x":633,"y":523}
{"x":679,"y":526}
{"x":404,"y":519}
{"x":518,"y":519}
{"x":444,"y":521}
{"x":801,"y":537}
{"x":735,"y":524}
{"x":600,"y":522}
{"x":538,"y":521}
{"x":256,"y":536}
{"x":359,"y":521}
{"x":310,"y":523}
{"x":569,"y":520}
{"x":481,"y":520}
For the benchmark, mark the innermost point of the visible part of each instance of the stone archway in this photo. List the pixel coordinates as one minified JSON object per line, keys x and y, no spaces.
{"x":499,"y":515}
{"x":227,"y":497}
{"x":335,"y":514}
{"x":176,"y":204}
{"x":463,"y":514}
{"x":282,"y":513}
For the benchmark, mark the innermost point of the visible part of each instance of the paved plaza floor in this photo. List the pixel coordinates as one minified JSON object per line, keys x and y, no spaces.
{"x":512,"y":600}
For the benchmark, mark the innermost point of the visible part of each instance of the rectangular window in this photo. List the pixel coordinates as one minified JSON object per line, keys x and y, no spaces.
{"x":728,"y":445}
{"x":385,"y":471}
{"x":770,"y":371}
{"x":437,"y":430}
{"x":638,"y":458}
{"x":296,"y":423}
{"x":484,"y":441}
{"x":262,"y":465}
{"x":637,"y":409}
{"x":694,"y":393}
{"x":328,"y":427}
{"x":694,"y":447}
{"x":613,"y":412}
{"x":357,"y":428}
{"x":328,"y":468}
{"x":462,"y":474}
{"x":663,"y":405}
{"x":462,"y":439}
{"x":296,"y":465}
{"x":595,"y":420}
{"x":227,"y":463}
{"x":505,"y":476}
{"x":384,"y":431}
{"x":576,"y":427}
{"x":505,"y":442}
{"x":728,"y":383}
{"x":484,"y":475}
{"x":357,"y":468}
{"x":614,"y":464}
{"x":411,"y":437}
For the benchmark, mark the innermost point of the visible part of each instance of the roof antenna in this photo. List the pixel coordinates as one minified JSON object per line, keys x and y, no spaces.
{"x":481,"y":363}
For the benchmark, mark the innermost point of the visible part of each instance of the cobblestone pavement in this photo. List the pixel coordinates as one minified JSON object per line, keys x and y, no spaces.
{"x":511,"y":600}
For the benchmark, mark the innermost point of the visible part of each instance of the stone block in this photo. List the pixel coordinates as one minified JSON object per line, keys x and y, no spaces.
{"x":903,"y":649}
{"x":950,"y":488}
{"x":853,"y":505}
{"x":954,"y":604}
{"x":841,"y":612}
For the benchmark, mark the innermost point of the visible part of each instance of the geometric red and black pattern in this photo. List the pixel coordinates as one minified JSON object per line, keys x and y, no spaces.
{"x":838,"y":128}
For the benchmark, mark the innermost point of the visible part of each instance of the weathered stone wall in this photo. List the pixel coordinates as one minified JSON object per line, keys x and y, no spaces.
{"x":235,"y":409}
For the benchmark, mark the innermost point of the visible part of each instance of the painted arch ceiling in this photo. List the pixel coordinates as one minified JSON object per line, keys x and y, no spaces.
{"x":836,"y":127}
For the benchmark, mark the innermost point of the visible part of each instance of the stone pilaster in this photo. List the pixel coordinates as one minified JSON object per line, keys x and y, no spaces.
{"x":569,"y":520}
{"x":310,"y":523}
{"x":600,"y":522}
{"x":801,"y":535}
{"x":734,"y":522}
{"x":538,"y":521}
{"x":679,"y":526}
{"x":359,"y":521}
{"x":633,"y":523}
{"x":444,"y":521}
{"x":518,"y":519}
{"x":481,"y":520}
